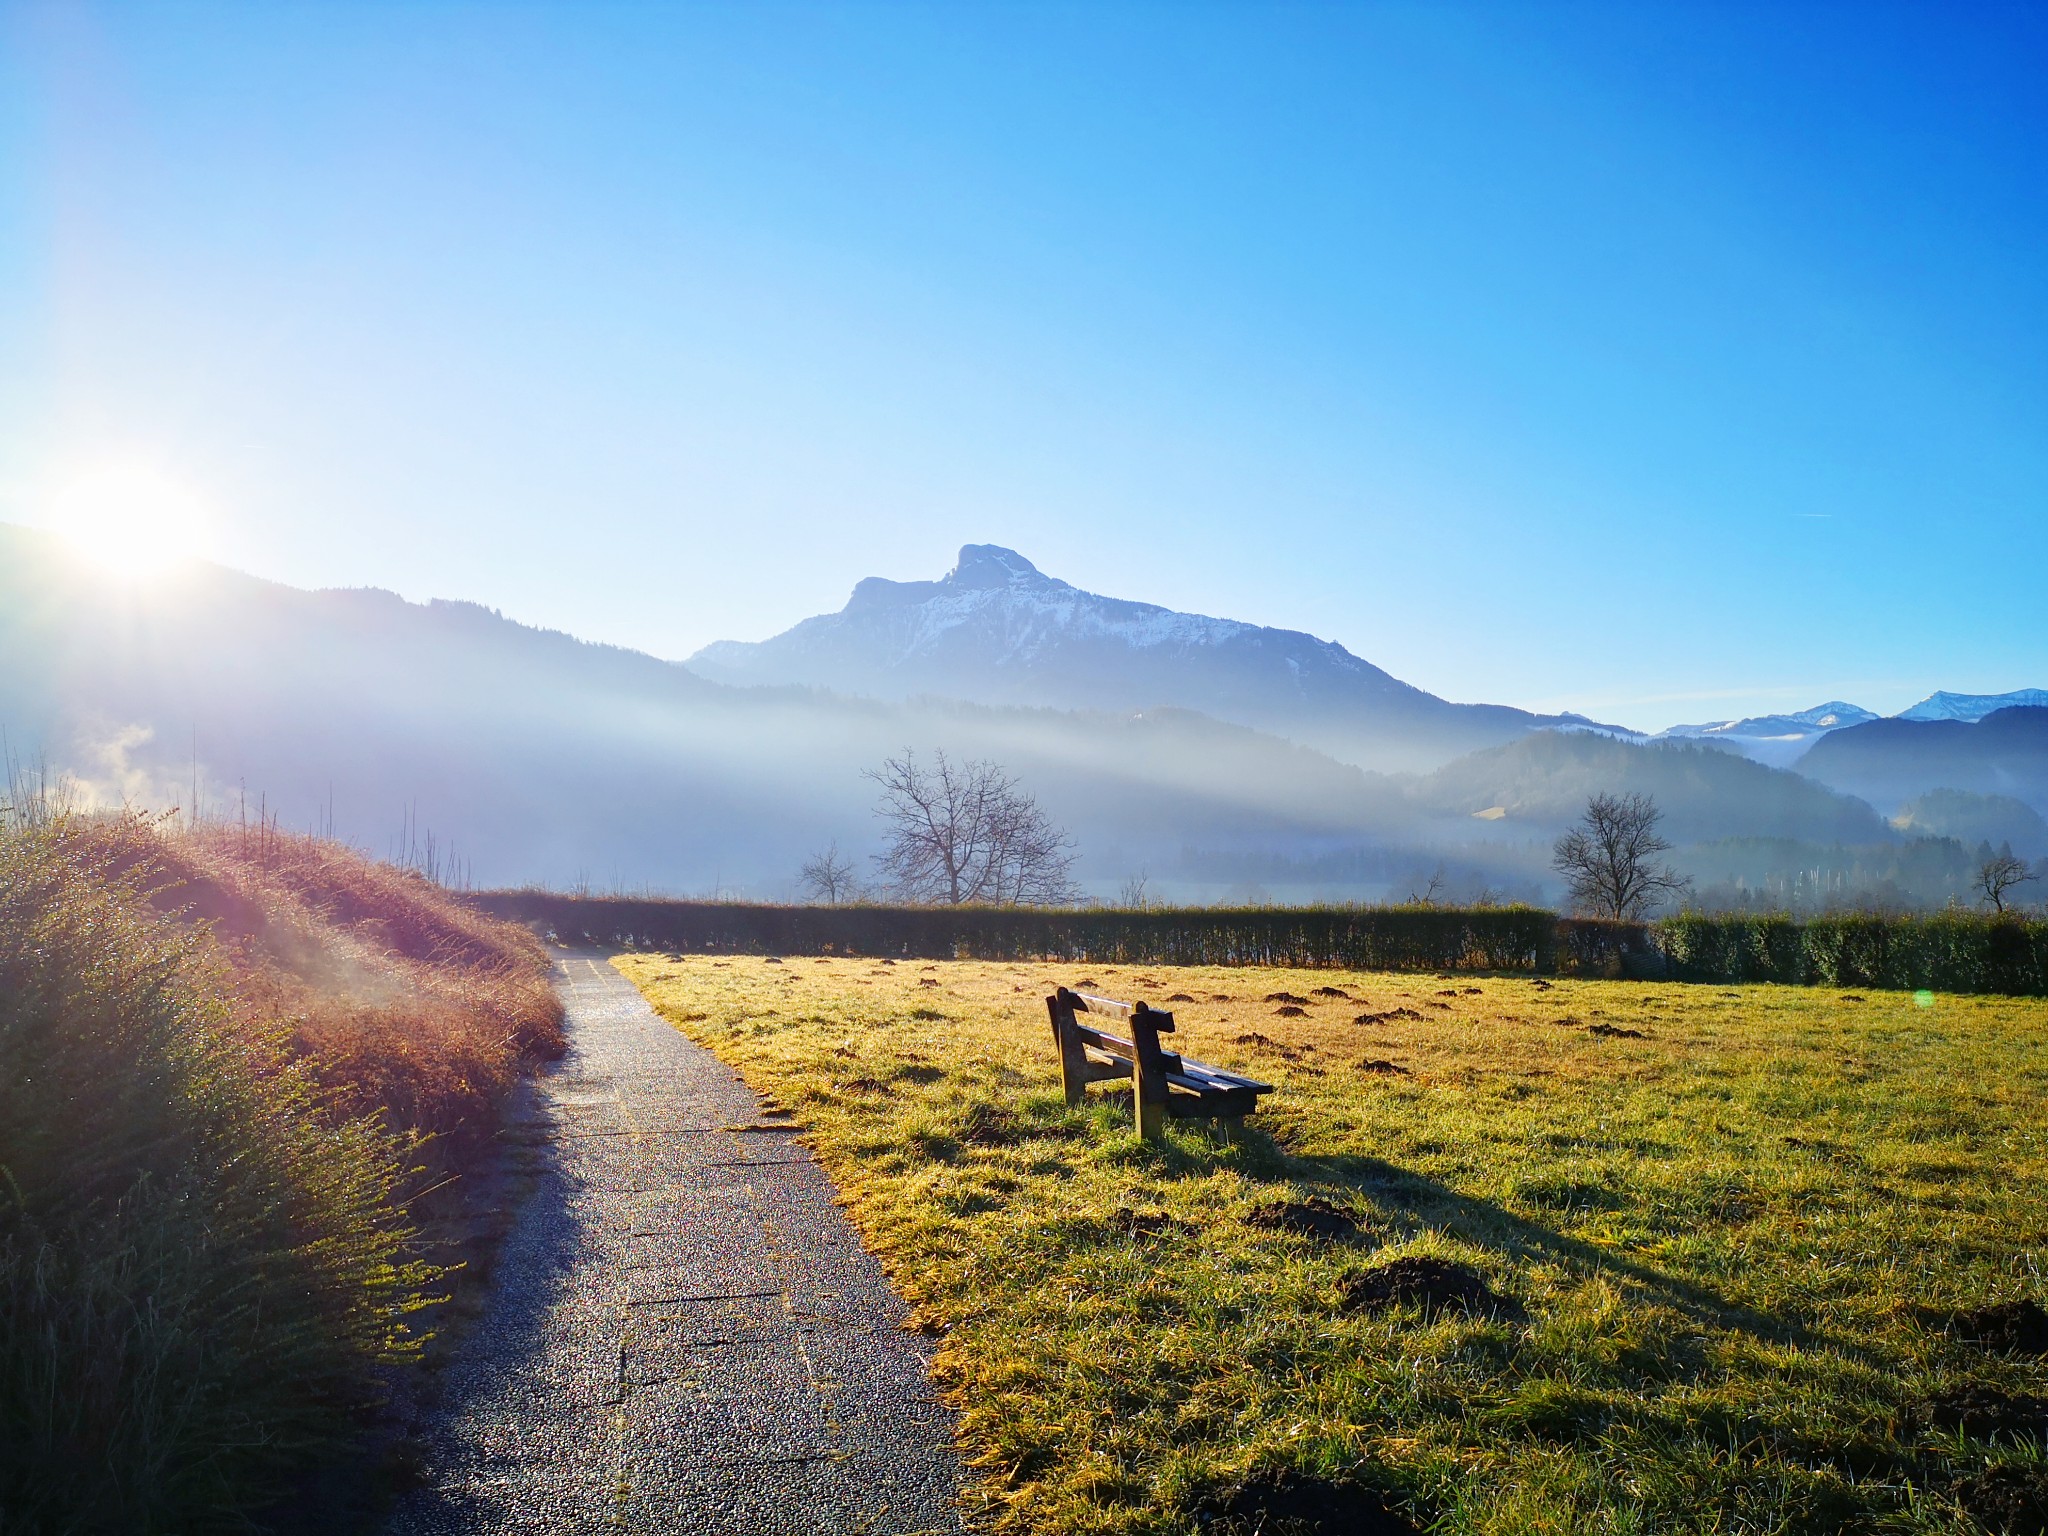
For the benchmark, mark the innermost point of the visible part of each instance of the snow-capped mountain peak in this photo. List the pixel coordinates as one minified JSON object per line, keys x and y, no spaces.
{"x":997,"y":630}
{"x":1775,"y":739}
{"x":1972,"y":707}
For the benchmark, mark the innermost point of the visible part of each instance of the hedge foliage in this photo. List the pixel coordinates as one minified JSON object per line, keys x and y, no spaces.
{"x":1941,"y":952}
{"x":1950,"y":951}
{"x":1358,"y":938}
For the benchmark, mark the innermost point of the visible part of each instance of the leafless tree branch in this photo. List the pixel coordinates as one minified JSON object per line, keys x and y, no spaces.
{"x":965,"y":832}
{"x":1997,"y":875}
{"x":1609,"y":860}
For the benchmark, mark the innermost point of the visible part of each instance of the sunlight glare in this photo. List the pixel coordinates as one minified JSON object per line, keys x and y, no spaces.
{"x":129,"y":520}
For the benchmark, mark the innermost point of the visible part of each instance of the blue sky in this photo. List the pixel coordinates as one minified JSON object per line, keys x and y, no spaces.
{"x":1663,"y":362}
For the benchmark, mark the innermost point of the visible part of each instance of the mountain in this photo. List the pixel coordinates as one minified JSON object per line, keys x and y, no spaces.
{"x":1888,"y":762}
{"x":533,"y":756}
{"x":997,"y":630}
{"x":1973,"y":707}
{"x":1774,"y":739}
{"x":539,"y":757}
{"x":1539,"y":785}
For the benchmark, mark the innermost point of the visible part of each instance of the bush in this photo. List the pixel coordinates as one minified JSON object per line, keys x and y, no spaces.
{"x":202,"y":1266}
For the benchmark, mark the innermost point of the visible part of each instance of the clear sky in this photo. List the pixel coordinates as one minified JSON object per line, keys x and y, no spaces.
{"x":1663,"y":362}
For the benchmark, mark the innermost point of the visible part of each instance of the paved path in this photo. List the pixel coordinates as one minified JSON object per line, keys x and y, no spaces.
{"x":684,"y":1334}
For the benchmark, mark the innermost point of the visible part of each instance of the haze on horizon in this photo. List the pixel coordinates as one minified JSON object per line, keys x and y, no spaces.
{"x":1662,"y":365}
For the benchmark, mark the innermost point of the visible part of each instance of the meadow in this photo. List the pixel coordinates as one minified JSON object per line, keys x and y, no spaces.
{"x":1501,"y":1255}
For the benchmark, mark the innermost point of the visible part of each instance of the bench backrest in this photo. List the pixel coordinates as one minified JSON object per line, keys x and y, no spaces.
{"x":1145,"y":1024}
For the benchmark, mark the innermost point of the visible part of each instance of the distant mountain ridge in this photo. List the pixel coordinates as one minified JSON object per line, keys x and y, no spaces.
{"x":1782,"y":740}
{"x":1972,"y":707}
{"x":1773,"y":739}
{"x":1888,"y":762}
{"x":997,"y":630}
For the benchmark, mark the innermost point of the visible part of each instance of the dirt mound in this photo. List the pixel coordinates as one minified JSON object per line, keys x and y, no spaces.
{"x":1331,"y":992}
{"x":1290,"y":1011}
{"x":1220,"y":997}
{"x":2012,"y":1327}
{"x":1383,"y":1068}
{"x":1615,"y":1032}
{"x":1268,"y":1043}
{"x":1432,"y":1284}
{"x":1447,"y":992}
{"x":1988,"y":1413}
{"x":1313,"y":1217}
{"x":1279,"y":1501}
{"x":1179,"y":997}
{"x":1386,"y":1017}
{"x":1085,"y":983}
{"x":1540,"y":986}
{"x":1285,"y":997}
{"x":926,"y":981}
{"x":2012,"y":1499}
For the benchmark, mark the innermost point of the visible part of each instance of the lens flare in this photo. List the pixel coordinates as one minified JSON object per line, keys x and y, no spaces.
{"x":130,"y":520}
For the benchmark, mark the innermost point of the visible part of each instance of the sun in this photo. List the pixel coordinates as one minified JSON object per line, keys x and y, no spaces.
{"x":130,"y":520}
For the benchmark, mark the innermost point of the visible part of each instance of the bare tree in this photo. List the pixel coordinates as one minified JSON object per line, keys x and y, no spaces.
{"x":1999,"y":874}
{"x":1609,"y":859}
{"x":961,"y":832}
{"x":1431,"y":892}
{"x":828,"y":876}
{"x":1132,"y":896}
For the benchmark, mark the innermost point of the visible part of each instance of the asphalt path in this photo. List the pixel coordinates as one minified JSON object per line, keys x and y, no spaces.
{"x":683,"y":1334}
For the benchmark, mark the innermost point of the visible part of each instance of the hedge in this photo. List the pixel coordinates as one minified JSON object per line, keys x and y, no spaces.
{"x":1353,"y":938}
{"x":1949,"y":951}
{"x":1941,"y":952}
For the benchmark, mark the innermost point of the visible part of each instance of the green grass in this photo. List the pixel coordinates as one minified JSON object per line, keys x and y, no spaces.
{"x":1731,"y":1242}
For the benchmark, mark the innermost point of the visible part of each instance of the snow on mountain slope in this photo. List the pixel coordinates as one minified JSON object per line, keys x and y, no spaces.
{"x":1774,"y":739}
{"x":1973,"y":707}
{"x":997,"y":630}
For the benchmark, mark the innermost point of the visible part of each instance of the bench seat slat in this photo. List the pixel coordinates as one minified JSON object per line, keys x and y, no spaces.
{"x":1202,"y":1070}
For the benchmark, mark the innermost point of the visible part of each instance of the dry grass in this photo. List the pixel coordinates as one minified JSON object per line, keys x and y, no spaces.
{"x":1730,"y":1226}
{"x":405,"y":1002}
{"x":236,"y":1074}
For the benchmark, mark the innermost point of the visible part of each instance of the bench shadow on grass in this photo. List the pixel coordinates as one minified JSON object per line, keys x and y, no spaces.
{"x":1414,"y":1203}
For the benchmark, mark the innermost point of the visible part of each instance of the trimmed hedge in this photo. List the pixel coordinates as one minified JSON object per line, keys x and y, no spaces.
{"x":1356,"y":938}
{"x":1949,"y":951}
{"x":1942,"y":952}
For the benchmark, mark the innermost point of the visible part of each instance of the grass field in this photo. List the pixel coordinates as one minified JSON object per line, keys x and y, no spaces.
{"x":1710,"y":1259}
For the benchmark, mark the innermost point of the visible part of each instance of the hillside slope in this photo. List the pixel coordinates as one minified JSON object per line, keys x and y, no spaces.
{"x":1891,"y":761}
{"x":1542,"y":783}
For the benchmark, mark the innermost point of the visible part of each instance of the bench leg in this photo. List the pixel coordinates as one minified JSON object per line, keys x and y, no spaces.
{"x":1148,"y":1089}
{"x":1073,"y":1055}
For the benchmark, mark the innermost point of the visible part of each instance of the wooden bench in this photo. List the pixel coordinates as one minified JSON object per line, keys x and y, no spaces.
{"x":1163,"y":1082}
